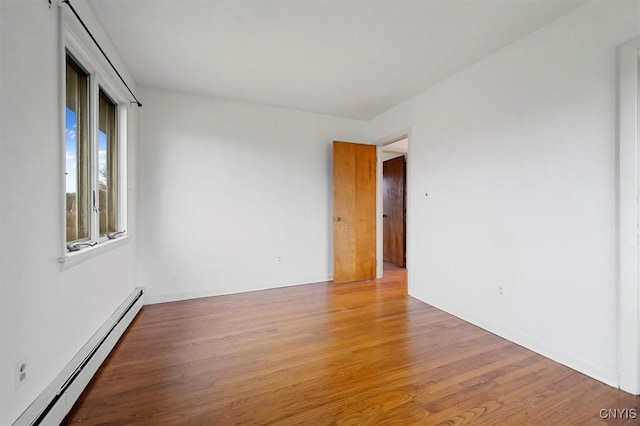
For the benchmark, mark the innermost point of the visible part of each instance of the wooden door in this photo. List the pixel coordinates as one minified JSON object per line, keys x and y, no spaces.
{"x":354,"y":212}
{"x":394,"y":211}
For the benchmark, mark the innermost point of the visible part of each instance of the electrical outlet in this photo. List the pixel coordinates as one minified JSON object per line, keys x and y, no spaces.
{"x":21,"y":372}
{"x":279,"y":258}
{"x":502,"y":291}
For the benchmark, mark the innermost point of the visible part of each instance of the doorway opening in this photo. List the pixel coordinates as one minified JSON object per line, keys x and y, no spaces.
{"x":394,"y":204}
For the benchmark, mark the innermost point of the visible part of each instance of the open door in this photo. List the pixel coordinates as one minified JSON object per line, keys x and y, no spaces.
{"x":394,"y":211}
{"x":354,"y":212}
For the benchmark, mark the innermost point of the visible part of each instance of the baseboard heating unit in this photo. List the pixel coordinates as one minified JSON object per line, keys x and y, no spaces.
{"x":58,"y":398}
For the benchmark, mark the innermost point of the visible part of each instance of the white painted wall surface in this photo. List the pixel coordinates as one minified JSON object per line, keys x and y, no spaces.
{"x":390,"y":155}
{"x":46,"y":314}
{"x":226,"y":187}
{"x":518,"y":155}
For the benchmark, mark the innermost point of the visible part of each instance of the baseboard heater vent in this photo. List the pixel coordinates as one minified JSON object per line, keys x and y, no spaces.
{"x":56,"y":401}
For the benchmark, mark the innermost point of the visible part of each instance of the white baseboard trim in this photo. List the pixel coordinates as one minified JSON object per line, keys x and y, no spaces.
{"x":175,"y":297}
{"x":53,"y":404}
{"x":597,"y":372}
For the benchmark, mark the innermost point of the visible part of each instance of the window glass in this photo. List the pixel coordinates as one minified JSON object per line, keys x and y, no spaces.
{"x":107,"y":164}
{"x":77,"y":152}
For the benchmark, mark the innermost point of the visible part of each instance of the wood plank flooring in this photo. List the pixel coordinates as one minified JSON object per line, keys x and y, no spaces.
{"x":325,"y":354}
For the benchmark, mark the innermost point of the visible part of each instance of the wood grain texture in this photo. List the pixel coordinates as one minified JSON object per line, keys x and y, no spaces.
{"x":354,"y":207}
{"x":393,"y":196}
{"x":324,"y":354}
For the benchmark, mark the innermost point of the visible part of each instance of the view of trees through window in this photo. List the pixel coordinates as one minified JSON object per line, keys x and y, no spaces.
{"x":91,"y":165}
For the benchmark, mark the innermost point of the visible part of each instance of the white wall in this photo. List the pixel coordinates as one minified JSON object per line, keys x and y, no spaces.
{"x":390,"y":155}
{"x":46,"y":314}
{"x":518,"y":155}
{"x":225,"y":187}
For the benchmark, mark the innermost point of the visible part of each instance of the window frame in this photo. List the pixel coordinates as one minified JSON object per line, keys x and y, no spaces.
{"x":109,"y":165}
{"x":83,"y":152}
{"x":75,"y":43}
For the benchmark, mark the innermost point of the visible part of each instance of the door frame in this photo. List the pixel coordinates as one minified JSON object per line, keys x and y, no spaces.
{"x":402,"y":134}
{"x":389,"y":250}
{"x":628,"y":283}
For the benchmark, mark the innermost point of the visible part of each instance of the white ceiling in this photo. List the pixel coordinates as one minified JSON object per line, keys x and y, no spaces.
{"x":352,"y":59}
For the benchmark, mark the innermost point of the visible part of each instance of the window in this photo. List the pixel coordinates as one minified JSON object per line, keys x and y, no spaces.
{"x":92,"y":159}
{"x":77,"y":152}
{"x":107,"y":165}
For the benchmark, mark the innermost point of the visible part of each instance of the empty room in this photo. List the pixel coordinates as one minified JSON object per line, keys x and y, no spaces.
{"x":319,"y":212}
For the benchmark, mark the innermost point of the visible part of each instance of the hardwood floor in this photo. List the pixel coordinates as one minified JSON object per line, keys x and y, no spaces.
{"x":322,"y":354}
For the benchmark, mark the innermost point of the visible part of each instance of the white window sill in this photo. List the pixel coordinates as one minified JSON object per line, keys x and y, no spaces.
{"x":72,"y":259}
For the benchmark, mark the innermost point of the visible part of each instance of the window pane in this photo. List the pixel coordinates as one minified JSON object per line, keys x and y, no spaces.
{"x":107,"y":164}
{"x":77,"y":152}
